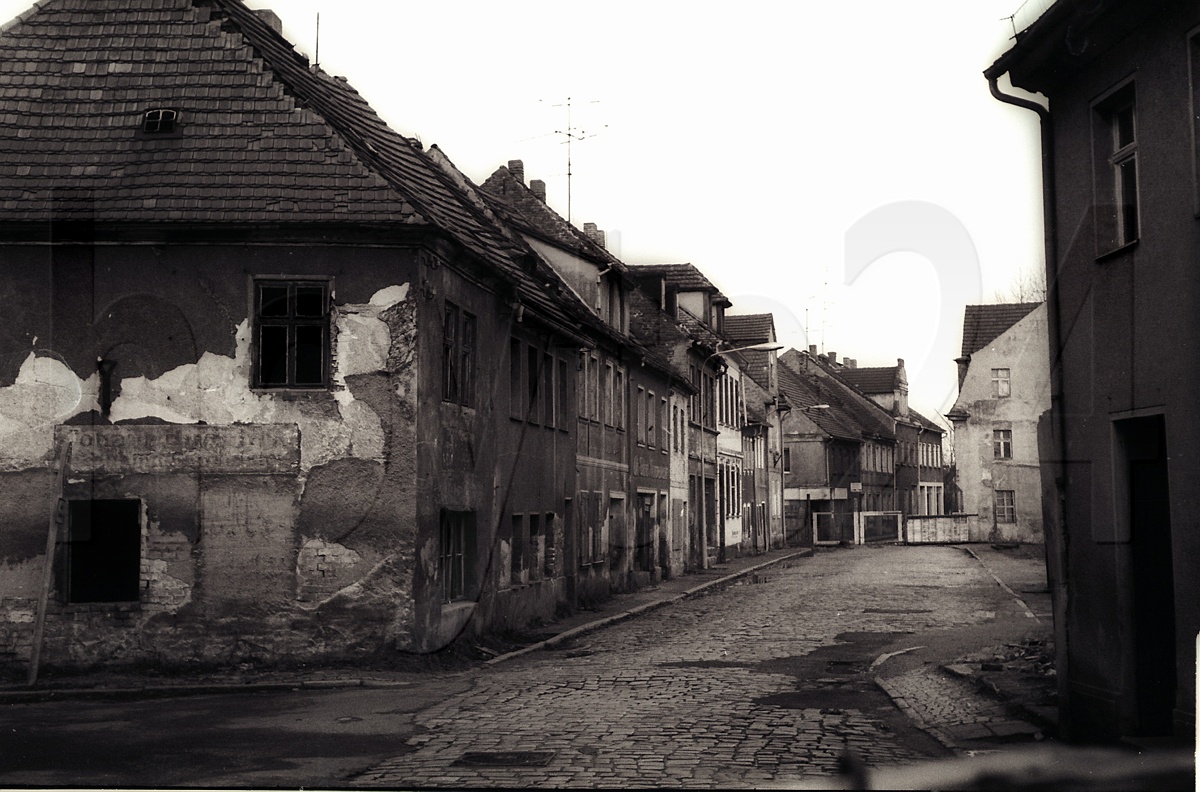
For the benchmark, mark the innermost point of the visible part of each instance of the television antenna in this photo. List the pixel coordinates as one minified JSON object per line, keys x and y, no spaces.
{"x":571,"y":133}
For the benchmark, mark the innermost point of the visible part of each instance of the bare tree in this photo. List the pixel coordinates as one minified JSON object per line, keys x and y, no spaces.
{"x":1029,"y":285}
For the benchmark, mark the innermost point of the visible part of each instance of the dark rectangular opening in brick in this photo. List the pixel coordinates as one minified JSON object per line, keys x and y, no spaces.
{"x":103,"y":554}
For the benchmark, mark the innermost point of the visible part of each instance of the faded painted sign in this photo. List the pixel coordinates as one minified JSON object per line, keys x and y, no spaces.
{"x":254,"y":449}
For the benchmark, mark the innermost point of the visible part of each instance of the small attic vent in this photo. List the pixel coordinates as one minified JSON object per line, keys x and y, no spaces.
{"x":159,"y":121}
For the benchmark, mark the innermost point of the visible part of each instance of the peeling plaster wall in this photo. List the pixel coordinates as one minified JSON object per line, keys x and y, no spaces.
{"x":265,"y":560}
{"x":1022,"y":350}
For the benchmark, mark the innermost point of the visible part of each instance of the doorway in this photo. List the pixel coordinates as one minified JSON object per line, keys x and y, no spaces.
{"x":1144,"y":507}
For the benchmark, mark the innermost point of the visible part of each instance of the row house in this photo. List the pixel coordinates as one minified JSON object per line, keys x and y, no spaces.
{"x":876,"y":490}
{"x":761,"y":451}
{"x":919,"y":467}
{"x":1120,"y":478}
{"x":715,"y":415}
{"x":820,"y":461}
{"x":280,"y":384}
{"x":627,"y":397}
{"x":1003,"y":392}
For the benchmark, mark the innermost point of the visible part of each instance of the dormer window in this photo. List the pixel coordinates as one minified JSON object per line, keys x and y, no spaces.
{"x":159,"y":121}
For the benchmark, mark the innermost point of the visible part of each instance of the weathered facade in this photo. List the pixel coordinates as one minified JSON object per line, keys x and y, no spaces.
{"x":1003,"y":391}
{"x":1120,"y":479}
{"x":761,"y":453}
{"x":919,"y":480}
{"x":697,"y":307}
{"x":266,"y":336}
{"x":624,"y":435}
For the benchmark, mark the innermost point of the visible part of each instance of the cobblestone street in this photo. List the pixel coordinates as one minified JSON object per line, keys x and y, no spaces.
{"x":766,"y":681}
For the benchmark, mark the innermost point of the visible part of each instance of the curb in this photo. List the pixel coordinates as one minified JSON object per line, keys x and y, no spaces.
{"x":643,"y":608}
{"x":164,"y":691}
{"x":933,"y":731}
{"x":1024,"y":606}
{"x":985,"y":685}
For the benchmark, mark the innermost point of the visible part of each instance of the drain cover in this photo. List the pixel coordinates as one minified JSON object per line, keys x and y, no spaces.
{"x":505,"y":759}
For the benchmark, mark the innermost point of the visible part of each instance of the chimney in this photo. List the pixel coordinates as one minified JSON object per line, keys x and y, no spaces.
{"x":833,"y":357}
{"x":271,"y":18}
{"x":517,"y":169}
{"x":594,"y":234}
{"x":812,"y":349}
{"x":538,"y":188}
{"x":851,"y":363}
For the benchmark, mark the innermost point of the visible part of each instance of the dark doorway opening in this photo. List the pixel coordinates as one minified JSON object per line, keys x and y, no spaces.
{"x":1142,"y":462}
{"x":644,"y":551}
{"x":103,"y":553}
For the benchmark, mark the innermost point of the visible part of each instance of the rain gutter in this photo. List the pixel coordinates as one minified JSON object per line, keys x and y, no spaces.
{"x":1056,"y":542}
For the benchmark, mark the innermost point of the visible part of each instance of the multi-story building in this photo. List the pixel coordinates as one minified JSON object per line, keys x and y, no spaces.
{"x":713,"y":426}
{"x":624,"y":442}
{"x":761,"y":452}
{"x":1121,"y":481}
{"x":277,"y":382}
{"x":839,"y":454}
{"x":1003,"y":391}
{"x":918,"y":464}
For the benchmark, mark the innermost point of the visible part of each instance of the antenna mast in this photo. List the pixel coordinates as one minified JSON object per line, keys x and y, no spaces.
{"x":571,"y":133}
{"x":317,"y":56}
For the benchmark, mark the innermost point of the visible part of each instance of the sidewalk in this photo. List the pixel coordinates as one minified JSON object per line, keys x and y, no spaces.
{"x":106,"y":684}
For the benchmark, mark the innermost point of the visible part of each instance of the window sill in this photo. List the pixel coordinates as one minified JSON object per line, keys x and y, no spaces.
{"x":100,"y":607}
{"x":295,"y":394}
{"x":1117,"y":252}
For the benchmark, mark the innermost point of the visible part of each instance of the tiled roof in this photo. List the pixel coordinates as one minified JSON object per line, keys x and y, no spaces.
{"x":650,"y":329}
{"x":804,"y":390}
{"x":983,"y":324}
{"x":873,"y":380}
{"x":510,"y":196}
{"x":866,"y":416}
{"x":76,"y":77}
{"x":684,"y":277}
{"x":262,"y":136}
{"x":745,"y":329}
{"x":658,"y":336}
{"x":699,"y":331}
{"x":925,"y":422}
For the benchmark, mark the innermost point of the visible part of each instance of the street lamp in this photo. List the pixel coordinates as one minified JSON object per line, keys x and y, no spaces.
{"x":769,"y":346}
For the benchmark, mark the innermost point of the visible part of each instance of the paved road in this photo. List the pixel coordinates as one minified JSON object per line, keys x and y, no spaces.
{"x":763,"y":682}
{"x":768,"y":681}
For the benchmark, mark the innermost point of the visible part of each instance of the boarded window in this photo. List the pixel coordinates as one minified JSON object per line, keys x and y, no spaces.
{"x":102,"y":558}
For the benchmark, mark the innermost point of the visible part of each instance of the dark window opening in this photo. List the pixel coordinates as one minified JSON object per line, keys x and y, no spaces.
{"x":102,"y":558}
{"x":517,"y":548}
{"x":533,"y":379}
{"x":458,"y":356}
{"x":159,"y":121}
{"x":456,"y":561}
{"x":291,"y":326}
{"x":1115,"y":169}
{"x":516,"y":398}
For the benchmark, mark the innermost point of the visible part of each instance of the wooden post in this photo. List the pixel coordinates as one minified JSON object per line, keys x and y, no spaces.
{"x":56,"y":520}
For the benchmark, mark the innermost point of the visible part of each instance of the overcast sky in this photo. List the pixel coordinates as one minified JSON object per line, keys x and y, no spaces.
{"x":745,"y":138}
